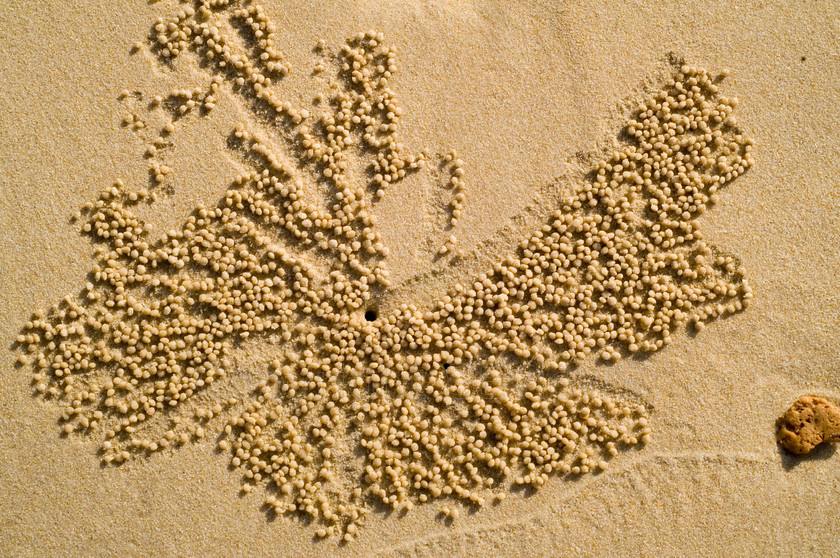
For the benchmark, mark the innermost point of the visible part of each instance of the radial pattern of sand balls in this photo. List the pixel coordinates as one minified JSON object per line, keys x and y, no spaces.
{"x":358,"y":409}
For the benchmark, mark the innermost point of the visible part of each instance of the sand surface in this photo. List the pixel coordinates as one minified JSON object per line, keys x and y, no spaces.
{"x":519,"y":90}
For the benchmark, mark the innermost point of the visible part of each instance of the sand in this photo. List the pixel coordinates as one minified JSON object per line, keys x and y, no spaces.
{"x":518,"y":92}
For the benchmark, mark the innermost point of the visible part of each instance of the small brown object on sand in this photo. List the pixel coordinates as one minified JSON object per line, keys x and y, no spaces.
{"x":810,"y":421}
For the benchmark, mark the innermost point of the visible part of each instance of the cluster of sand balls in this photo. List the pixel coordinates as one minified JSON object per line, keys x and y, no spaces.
{"x":428,"y":429}
{"x":447,"y":402}
{"x":455,"y":183}
{"x":176,"y":105}
{"x":621,"y":264}
{"x":183,"y":101}
{"x":263,"y":35}
{"x":362,"y":115}
{"x":369,"y":64}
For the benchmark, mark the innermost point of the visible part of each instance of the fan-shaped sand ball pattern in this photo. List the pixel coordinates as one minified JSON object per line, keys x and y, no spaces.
{"x":456,"y":401}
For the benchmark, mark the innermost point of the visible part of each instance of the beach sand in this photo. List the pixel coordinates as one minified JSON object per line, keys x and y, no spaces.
{"x":522,"y":92}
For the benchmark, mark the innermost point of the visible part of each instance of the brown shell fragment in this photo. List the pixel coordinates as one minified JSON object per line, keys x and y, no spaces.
{"x":809,"y":422}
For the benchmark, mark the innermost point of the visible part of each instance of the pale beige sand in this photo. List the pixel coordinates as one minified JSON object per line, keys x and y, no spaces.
{"x":517,"y":91}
